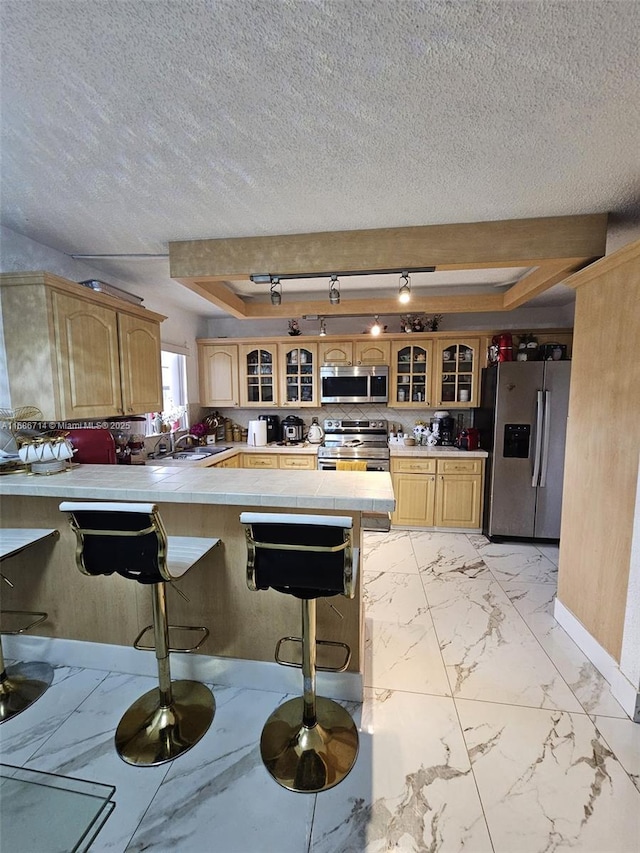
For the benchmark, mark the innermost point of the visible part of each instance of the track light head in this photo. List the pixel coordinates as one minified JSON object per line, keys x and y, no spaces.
{"x":404,"y":293}
{"x":334,"y":290}
{"x":276,"y":291}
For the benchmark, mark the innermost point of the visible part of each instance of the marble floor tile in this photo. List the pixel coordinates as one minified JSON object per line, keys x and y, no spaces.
{"x":551,"y":552}
{"x":394,"y":597}
{"x":447,"y":554}
{"x":23,"y":735}
{"x":489,"y":651}
{"x":534,"y":602}
{"x":219,"y":796}
{"x":84,"y":747}
{"x":401,"y":649}
{"x":411,"y":788}
{"x":518,"y":561}
{"x":623,"y":738}
{"x":548,"y":782}
{"x":389,"y":552}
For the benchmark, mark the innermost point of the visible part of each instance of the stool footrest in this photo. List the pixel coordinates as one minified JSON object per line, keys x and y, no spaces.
{"x":40,"y":618}
{"x":340,"y":668}
{"x":144,"y":648}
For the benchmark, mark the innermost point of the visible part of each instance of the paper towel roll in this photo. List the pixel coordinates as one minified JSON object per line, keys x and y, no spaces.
{"x":257,"y":433}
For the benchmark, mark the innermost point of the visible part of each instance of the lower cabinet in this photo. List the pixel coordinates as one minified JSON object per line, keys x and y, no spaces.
{"x":290,"y":461}
{"x":233,"y":462}
{"x":438,"y":492}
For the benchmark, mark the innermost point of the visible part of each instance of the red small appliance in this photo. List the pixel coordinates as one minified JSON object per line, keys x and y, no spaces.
{"x":504,"y":343}
{"x":468,"y":439}
{"x":93,"y":446}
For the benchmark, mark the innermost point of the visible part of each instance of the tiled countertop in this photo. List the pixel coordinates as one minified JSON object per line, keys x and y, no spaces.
{"x":193,"y":483}
{"x":305,"y":449}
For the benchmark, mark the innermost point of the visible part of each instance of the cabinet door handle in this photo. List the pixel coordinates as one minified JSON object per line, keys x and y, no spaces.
{"x":358,"y":362}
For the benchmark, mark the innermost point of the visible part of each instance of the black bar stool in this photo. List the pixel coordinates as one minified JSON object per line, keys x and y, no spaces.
{"x":22,"y":683}
{"x":309,"y":743}
{"x":130,"y":539}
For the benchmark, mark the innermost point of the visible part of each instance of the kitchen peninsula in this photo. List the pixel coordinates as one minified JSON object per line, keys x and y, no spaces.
{"x":194,"y":502}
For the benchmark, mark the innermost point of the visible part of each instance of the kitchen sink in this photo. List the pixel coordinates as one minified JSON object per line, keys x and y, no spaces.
{"x":192,"y":454}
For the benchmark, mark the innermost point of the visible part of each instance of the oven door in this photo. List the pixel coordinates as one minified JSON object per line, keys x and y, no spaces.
{"x":372,"y":464}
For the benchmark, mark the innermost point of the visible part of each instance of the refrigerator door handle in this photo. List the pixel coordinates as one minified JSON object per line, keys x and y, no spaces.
{"x":546,"y":438}
{"x":538,"y":449}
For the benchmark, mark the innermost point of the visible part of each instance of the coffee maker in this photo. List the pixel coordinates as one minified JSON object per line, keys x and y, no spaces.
{"x":273,"y":427}
{"x":443,"y":428}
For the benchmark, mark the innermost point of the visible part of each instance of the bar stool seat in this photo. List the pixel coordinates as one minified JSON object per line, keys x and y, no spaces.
{"x":22,"y":683}
{"x":309,"y":743}
{"x":130,"y":540}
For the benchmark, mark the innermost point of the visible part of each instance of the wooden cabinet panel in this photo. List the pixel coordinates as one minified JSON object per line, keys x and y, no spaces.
{"x":452,"y":498}
{"x":260,"y":460}
{"x":415,"y":495}
{"x":295,"y":461}
{"x":458,"y":500}
{"x":375,"y":352}
{"x":411,"y":465}
{"x":411,"y":373}
{"x":459,"y":466}
{"x":258,"y":375}
{"x":298,"y":374}
{"x":456,"y":373}
{"x":233,"y":462}
{"x":96,"y":356}
{"x":336,"y":352}
{"x":87,"y":357}
{"x":218,"y":367}
{"x":140,"y":367}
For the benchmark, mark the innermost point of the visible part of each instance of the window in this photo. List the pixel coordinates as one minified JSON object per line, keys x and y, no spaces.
{"x":174,"y":394}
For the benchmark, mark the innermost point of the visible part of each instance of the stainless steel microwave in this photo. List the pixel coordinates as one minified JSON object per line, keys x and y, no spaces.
{"x":356,"y":384}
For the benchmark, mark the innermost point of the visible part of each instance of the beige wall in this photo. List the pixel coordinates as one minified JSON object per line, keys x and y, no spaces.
{"x":603,"y":441}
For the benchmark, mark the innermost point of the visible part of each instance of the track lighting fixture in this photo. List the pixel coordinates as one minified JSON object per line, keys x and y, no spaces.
{"x":376,"y":328}
{"x":323,"y":327}
{"x":276,"y":290}
{"x":404,"y":293}
{"x":334,"y":290}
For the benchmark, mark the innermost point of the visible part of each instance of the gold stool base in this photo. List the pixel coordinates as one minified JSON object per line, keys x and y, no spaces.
{"x":24,"y":683}
{"x":149,"y":734}
{"x":309,"y":759}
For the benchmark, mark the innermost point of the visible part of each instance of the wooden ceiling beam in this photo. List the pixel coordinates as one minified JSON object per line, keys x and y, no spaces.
{"x":539,"y":280}
{"x":357,"y":307}
{"x":554,"y":247}
{"x":219,"y":295}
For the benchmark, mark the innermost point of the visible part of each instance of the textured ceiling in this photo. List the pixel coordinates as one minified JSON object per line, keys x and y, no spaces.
{"x":127,"y":123}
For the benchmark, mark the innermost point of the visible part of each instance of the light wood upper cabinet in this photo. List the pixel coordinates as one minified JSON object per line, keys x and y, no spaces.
{"x":259,"y":375}
{"x":88,"y":364}
{"x":95,"y":356}
{"x":411,"y":368}
{"x":374,"y":352}
{"x":298,"y":374}
{"x":456,"y":373}
{"x":140,"y":368}
{"x":218,"y":369}
{"x":336,"y":352}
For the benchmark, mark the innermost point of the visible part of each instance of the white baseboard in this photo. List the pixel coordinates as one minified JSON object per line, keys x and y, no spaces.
{"x":622,"y":689}
{"x":230,"y":672}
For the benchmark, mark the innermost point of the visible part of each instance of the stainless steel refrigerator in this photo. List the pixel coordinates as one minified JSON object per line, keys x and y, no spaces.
{"x":523,"y":421}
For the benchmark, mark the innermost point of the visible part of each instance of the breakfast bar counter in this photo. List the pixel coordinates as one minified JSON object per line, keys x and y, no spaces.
{"x":192,"y":502}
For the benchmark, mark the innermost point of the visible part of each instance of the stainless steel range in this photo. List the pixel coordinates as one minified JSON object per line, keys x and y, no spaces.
{"x":361,"y":440}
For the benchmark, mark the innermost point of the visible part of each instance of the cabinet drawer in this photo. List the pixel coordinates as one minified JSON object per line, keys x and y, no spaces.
{"x":411,"y":465}
{"x":307,"y":463}
{"x":260,"y":460}
{"x":459,"y":466}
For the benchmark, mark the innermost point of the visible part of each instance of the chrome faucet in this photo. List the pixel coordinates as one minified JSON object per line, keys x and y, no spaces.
{"x":183,"y":437}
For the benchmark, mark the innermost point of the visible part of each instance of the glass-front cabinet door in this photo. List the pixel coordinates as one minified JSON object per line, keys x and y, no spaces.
{"x":456,"y":373}
{"x":411,"y":373}
{"x":298,"y":375}
{"x":258,"y":376}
